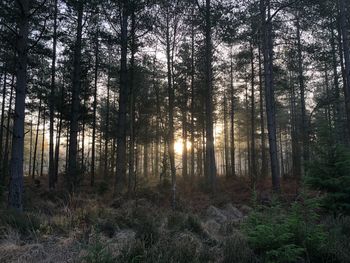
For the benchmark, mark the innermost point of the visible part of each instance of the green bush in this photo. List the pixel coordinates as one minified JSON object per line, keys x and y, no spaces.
{"x":330,"y":172}
{"x":287,"y":235}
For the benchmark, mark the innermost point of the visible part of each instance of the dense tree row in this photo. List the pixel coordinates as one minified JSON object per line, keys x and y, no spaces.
{"x":117,"y":91}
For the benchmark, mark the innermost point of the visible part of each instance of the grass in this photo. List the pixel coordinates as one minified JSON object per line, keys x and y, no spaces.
{"x":96,"y":228}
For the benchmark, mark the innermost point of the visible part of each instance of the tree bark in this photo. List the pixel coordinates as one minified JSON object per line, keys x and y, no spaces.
{"x":304,"y":126}
{"x":5,"y":161}
{"x":252,"y":121}
{"x":74,"y":122}
{"x":16,"y":166}
{"x":170,"y":111}
{"x":2,"y":121}
{"x":267,"y":47}
{"x":132,"y":103}
{"x":123,"y":100}
{"x":42,"y":147}
{"x":233,"y":150}
{"x":262,"y":119}
{"x":192,"y":174}
{"x":345,"y":41}
{"x":338,"y":113}
{"x":94,"y":110}
{"x":210,"y":154}
{"x":52,"y":99}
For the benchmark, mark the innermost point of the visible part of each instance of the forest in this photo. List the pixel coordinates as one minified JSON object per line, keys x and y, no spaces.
{"x":175,"y":131}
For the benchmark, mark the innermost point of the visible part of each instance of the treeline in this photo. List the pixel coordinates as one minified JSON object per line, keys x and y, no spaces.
{"x":122,"y":90}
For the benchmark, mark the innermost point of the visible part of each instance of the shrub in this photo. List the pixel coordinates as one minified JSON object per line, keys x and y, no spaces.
{"x":286,"y":235}
{"x":330,"y":172}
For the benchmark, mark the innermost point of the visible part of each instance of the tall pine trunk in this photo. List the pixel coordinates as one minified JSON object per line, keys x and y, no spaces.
{"x":267,"y":48}
{"x":209,"y":130}
{"x":170,"y":111}
{"x":304,"y":126}
{"x":94,"y":111}
{"x":16,"y":165}
{"x":52,"y":99}
{"x":74,"y":122}
{"x":345,"y":41}
{"x":123,"y":100}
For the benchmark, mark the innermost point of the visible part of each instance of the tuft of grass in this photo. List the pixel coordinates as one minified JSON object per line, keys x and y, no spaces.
{"x":97,"y":252}
{"x":178,"y":221}
{"x":236,"y":249}
{"x":24,"y":223}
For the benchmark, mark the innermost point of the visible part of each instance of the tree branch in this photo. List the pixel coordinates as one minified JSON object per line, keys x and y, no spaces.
{"x":37,"y":8}
{"x":280,"y":8}
{"x":40,"y":36}
{"x":9,"y":28}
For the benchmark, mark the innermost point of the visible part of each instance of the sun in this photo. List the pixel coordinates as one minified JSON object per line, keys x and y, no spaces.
{"x":179,"y":147}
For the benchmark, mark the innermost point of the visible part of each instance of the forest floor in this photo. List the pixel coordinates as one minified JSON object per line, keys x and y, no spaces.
{"x":94,"y":226}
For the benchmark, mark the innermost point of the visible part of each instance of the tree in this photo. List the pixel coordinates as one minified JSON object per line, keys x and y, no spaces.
{"x":16,"y":167}
{"x":123,"y":99}
{"x":73,"y":170}
{"x":267,"y":50}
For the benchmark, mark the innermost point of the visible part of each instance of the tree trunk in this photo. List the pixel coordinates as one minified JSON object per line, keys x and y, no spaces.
{"x":170,"y":113}
{"x":74,"y":122}
{"x":105,"y":161}
{"x":5,"y":161}
{"x":345,"y":38}
{"x":132,"y":102}
{"x":58,"y":139}
{"x":338,"y":113}
{"x":2,"y":123}
{"x":36,"y":139}
{"x":252,"y":121}
{"x":226,"y":151}
{"x":52,"y":98}
{"x":210,"y":154}
{"x":233,"y":150}
{"x":184,"y":142}
{"x":94,"y":111}
{"x":30,"y":147}
{"x":16,"y":166}
{"x":192,"y":174}
{"x":42,"y":147}
{"x":123,"y":100}
{"x":304,"y":126}
{"x":262,"y":120}
{"x":267,"y":47}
